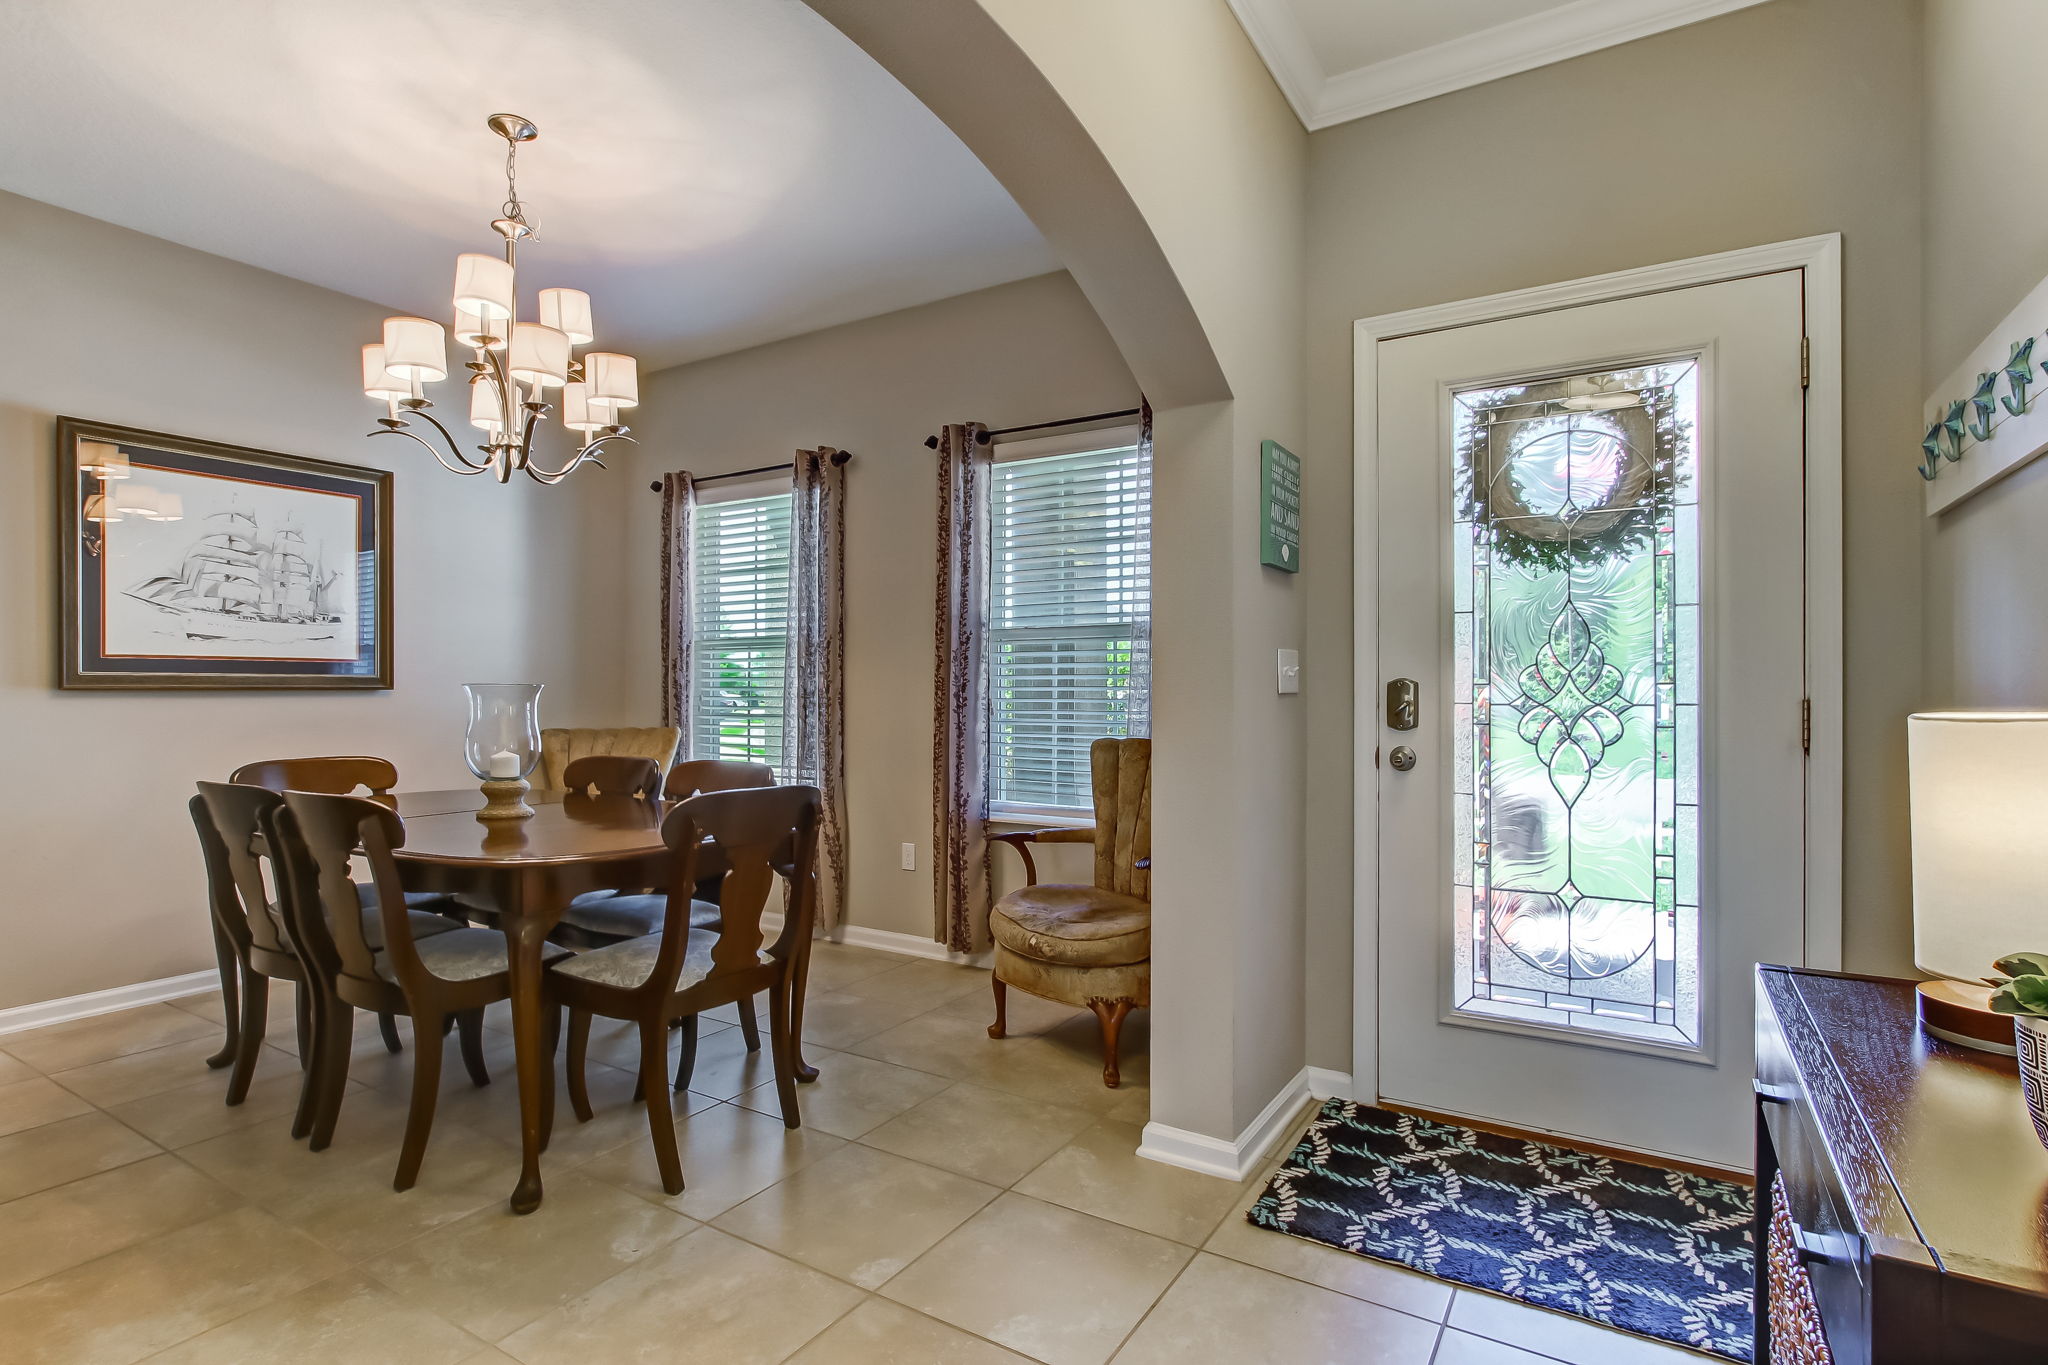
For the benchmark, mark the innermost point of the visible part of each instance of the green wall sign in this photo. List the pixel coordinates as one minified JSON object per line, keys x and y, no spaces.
{"x":1280,"y":507}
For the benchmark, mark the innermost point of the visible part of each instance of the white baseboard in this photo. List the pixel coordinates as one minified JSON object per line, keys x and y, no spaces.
{"x":60,"y":1011}
{"x":1221,"y":1157}
{"x":1326,"y":1084}
{"x":889,"y":941}
{"x":46,"y":1012}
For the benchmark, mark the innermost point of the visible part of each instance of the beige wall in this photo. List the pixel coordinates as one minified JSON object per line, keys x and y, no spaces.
{"x":103,"y":884}
{"x":1025,"y":352}
{"x":1209,"y":152}
{"x":1986,"y":183}
{"x":1781,"y":121}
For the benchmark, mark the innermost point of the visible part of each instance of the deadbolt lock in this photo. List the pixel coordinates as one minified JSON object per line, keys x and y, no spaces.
{"x":1403,"y":706}
{"x":1402,"y":759}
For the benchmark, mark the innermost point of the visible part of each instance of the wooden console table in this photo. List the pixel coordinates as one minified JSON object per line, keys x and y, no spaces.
{"x":1916,"y":1189}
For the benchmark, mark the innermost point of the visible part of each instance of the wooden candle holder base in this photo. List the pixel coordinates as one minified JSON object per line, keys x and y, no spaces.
{"x":507,"y":799}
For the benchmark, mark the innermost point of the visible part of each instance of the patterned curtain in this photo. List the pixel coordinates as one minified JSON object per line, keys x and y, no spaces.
{"x":960,"y":853}
{"x":678,"y":502}
{"x":814,"y":697}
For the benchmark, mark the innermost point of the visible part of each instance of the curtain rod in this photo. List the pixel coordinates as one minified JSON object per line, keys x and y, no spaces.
{"x":839,"y":457}
{"x":932,"y":442}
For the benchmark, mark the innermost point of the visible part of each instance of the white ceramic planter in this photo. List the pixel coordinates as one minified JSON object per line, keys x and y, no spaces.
{"x":2030,"y":1032}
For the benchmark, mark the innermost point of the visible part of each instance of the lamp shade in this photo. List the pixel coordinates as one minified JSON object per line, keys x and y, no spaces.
{"x":1979,"y":791}
{"x":378,"y":381}
{"x":472,"y":328}
{"x":540,"y":355}
{"x":169,"y":507}
{"x":415,"y":349}
{"x":577,"y":414}
{"x":485,"y":411}
{"x":567,"y":310}
{"x":483,"y":286}
{"x":614,"y":379}
{"x":103,"y":458}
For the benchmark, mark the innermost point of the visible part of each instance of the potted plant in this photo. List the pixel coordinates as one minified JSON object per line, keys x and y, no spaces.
{"x":2022,"y":992}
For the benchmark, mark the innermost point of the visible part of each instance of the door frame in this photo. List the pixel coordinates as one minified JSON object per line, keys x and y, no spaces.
{"x":1820,"y":258}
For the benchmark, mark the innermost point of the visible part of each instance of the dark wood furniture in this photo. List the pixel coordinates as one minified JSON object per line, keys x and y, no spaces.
{"x":683,"y":970}
{"x":613,"y":775}
{"x":694,"y":775}
{"x":316,"y":839}
{"x":1915,"y":1192}
{"x":253,"y":948}
{"x":340,"y":775}
{"x":528,"y":872}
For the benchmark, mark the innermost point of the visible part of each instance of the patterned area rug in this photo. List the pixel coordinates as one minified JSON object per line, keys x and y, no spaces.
{"x":1656,"y":1252}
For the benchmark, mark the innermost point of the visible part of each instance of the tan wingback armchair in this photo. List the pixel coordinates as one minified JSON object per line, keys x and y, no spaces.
{"x":560,"y":748}
{"x":1087,"y":945}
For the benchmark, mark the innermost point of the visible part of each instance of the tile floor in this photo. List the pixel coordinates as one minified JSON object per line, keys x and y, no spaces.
{"x":948,"y":1199}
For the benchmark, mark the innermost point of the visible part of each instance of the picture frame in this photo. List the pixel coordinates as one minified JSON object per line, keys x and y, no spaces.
{"x":188,"y":564}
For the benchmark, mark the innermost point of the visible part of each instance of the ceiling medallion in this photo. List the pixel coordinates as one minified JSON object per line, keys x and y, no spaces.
{"x":515,"y":362}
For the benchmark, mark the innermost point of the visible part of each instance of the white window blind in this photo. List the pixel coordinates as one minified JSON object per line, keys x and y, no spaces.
{"x":739,"y":620}
{"x":1070,"y":620}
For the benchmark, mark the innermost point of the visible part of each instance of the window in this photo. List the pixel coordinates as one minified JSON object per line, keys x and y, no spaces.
{"x":1070,"y":608}
{"x":739,"y":618}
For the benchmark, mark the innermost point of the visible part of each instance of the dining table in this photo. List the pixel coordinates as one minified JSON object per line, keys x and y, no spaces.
{"x":525,"y":873}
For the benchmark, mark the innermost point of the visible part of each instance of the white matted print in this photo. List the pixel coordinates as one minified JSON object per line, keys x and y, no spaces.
{"x":250,"y":571}
{"x":192,"y":564}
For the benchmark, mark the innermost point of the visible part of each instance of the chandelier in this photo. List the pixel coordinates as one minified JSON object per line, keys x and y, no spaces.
{"x":515,"y":363}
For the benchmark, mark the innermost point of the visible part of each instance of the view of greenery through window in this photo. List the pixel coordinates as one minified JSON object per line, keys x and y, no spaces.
{"x":1069,"y":619}
{"x":739,"y":621}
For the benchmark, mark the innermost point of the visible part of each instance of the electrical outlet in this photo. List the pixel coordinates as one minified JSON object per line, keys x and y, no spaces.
{"x":910,"y":857}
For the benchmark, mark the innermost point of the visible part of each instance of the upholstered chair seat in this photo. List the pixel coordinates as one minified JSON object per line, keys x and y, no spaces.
{"x":627,"y":965}
{"x":1087,"y":945}
{"x":630,"y":914}
{"x":464,"y":955}
{"x":1079,"y":926}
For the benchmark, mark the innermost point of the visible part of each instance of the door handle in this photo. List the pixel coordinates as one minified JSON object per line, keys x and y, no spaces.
{"x":1404,"y":707}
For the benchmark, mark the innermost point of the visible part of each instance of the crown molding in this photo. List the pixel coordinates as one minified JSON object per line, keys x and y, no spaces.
{"x":1570,"y":30}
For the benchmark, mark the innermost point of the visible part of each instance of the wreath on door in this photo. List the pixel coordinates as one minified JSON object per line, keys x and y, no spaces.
{"x":1617,"y":520}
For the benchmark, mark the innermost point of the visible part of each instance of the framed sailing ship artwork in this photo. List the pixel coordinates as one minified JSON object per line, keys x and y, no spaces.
{"x":192,"y":564}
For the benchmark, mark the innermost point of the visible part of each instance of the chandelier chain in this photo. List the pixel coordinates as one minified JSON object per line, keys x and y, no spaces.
{"x":512,"y":209}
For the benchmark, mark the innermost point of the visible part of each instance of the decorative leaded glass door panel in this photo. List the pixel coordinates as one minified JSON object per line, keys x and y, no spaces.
{"x":1591,"y":562}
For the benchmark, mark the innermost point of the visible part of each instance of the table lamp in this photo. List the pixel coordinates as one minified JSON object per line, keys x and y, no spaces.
{"x":1979,"y":791}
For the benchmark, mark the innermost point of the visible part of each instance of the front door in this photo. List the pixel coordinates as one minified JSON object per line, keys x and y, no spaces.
{"x":1591,"y":568}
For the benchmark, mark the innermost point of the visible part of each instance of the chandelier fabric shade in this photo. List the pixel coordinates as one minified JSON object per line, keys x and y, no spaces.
{"x":378,"y":381}
{"x":614,"y":380}
{"x":484,"y":286}
{"x":415,"y":349}
{"x":567,"y":310}
{"x":514,"y":363}
{"x":540,"y":354}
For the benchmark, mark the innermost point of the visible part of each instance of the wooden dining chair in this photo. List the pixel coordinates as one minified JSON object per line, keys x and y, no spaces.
{"x":694,"y":776}
{"x":613,"y":775}
{"x":257,"y":950}
{"x":452,"y":974}
{"x":344,"y":775}
{"x":683,"y":971}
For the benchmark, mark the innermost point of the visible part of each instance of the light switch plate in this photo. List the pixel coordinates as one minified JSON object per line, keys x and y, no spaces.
{"x":910,"y":857}
{"x":1290,"y":671}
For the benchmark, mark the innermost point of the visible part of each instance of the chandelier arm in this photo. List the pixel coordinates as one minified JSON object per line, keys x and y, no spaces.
{"x":464,"y":468}
{"x":453,"y":445}
{"x":586,"y":455}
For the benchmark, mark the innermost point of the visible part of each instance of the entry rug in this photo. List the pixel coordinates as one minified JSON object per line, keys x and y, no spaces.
{"x":1652,"y":1251}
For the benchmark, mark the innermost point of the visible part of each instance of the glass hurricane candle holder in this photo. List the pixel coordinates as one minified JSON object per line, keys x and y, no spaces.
{"x":502,"y":744}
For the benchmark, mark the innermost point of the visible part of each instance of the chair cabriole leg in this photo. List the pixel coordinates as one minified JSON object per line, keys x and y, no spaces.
{"x":661,"y":1122}
{"x":426,"y":1089}
{"x":249,"y":1045}
{"x":1110,"y":1014}
{"x":999,"y":1027}
{"x":579,"y":1050}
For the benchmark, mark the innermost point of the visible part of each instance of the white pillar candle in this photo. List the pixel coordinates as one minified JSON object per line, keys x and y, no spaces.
{"x":504,"y":764}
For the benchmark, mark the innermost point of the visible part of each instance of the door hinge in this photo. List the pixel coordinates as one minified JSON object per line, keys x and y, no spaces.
{"x":1806,"y":725}
{"x":1805,"y":362}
